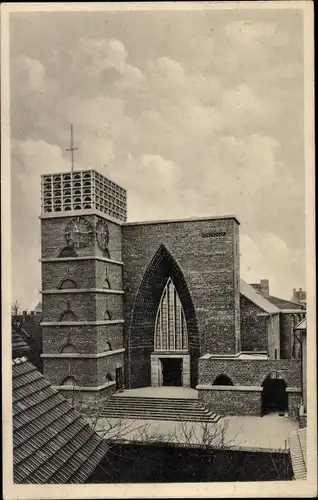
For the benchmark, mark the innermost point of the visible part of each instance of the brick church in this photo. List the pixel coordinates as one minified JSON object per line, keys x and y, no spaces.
{"x":129,"y":305}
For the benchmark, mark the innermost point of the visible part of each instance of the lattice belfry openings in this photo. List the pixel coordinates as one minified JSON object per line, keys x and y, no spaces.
{"x":85,"y":190}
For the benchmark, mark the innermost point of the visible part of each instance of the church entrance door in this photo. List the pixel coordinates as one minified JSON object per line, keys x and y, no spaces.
{"x":274,"y":396}
{"x":171,"y":371}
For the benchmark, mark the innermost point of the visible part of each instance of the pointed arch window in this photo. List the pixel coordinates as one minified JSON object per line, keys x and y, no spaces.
{"x":70,"y":380}
{"x":171,"y":327}
{"x":68,"y":283}
{"x":67,"y":252}
{"x":68,"y":316}
{"x":68,"y":348}
{"x":107,"y":315}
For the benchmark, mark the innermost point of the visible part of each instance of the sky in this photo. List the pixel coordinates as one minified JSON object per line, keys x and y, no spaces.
{"x":195,"y":113}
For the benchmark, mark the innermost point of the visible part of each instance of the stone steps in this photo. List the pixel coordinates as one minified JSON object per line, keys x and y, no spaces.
{"x":157,"y":409}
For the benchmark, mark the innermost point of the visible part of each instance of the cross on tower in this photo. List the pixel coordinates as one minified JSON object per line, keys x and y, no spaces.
{"x":71,"y":148}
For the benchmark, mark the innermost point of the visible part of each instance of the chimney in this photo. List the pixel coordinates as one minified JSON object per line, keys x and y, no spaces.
{"x":265,"y":287}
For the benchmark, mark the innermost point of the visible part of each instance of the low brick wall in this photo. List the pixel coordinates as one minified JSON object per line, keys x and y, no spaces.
{"x":249,"y":372}
{"x":294,"y":400}
{"x":236,"y":400}
{"x":226,"y":401}
{"x":89,"y":402}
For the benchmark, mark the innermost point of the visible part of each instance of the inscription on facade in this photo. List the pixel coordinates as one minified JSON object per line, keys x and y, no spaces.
{"x":209,"y":234}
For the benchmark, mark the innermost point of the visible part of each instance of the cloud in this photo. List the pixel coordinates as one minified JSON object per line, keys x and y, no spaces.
{"x":254,"y":33}
{"x":208,"y":126}
{"x":99,"y":55}
{"x":30,"y":160}
{"x":30,"y":71}
{"x":263,"y":254}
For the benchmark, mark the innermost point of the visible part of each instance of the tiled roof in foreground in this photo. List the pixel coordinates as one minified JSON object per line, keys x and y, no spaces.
{"x":298,"y":453}
{"x":19,"y":345}
{"x":52,"y":443}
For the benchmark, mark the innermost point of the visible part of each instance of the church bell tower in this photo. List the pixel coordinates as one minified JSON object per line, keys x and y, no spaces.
{"x":82,"y":293}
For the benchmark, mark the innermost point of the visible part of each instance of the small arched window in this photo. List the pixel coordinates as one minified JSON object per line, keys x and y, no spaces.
{"x":109,"y":378}
{"x":68,"y":316}
{"x":69,"y":381}
{"x":222,"y":380}
{"x":107,"y":315}
{"x":67,"y":283}
{"x":68,"y":348}
{"x":67,"y":252}
{"x":106,"y":253}
{"x":106,"y":283}
{"x":108,"y":346}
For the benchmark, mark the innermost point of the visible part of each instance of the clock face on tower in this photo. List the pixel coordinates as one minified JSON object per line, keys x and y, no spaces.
{"x":78,"y":232}
{"x":102,"y":234}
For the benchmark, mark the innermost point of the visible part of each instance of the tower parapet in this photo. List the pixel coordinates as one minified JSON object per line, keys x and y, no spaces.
{"x":82,"y":290}
{"x":85,"y":190}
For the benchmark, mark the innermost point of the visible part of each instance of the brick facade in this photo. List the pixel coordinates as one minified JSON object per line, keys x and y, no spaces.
{"x":204,"y":268}
{"x":95,"y":295}
{"x":229,"y":402}
{"x":248,"y":372}
{"x":245,"y":396}
{"x":253,"y":328}
{"x":114,"y":296}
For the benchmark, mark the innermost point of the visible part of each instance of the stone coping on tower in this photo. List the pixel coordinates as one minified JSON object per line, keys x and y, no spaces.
{"x":82,"y":323}
{"x":95,"y":257}
{"x":75,"y":355}
{"x":82,"y":290}
{"x":86,"y":212}
{"x":81,"y":213}
{"x":187,"y":219}
{"x":83,"y":388}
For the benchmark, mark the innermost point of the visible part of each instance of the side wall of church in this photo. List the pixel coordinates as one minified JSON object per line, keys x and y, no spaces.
{"x":210,"y":269}
{"x":253,"y":328}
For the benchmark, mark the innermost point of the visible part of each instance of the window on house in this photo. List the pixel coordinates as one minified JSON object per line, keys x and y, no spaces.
{"x":109,"y":378}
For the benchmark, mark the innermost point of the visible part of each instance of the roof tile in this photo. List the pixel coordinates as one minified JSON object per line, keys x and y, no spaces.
{"x":52,"y":442}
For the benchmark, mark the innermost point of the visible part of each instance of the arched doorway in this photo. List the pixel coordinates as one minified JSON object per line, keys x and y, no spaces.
{"x":161,"y":271}
{"x":274,"y":395}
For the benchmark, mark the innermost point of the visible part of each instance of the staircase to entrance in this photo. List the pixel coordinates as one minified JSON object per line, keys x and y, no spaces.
{"x":153,"y":404}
